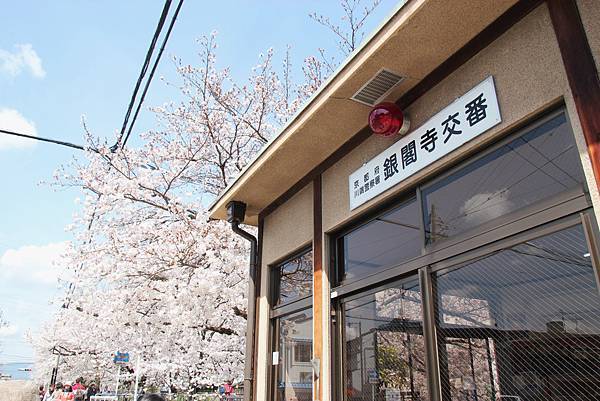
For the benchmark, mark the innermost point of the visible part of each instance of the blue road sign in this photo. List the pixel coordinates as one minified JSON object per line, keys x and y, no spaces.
{"x":121,"y":357}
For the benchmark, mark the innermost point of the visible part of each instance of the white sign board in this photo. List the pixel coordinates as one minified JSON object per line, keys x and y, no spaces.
{"x":393,"y":394}
{"x":467,"y":117}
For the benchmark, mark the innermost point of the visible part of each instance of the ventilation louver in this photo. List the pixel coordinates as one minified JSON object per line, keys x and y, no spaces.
{"x":377,"y":87}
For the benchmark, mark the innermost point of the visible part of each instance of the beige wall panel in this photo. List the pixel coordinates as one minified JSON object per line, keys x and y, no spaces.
{"x":289,"y":227}
{"x":529,"y":76}
{"x":590,"y":16}
{"x":285,"y":230}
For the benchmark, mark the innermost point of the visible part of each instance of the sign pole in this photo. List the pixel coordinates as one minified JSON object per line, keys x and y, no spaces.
{"x":55,"y":371}
{"x":137,"y":378}
{"x":117,"y":386}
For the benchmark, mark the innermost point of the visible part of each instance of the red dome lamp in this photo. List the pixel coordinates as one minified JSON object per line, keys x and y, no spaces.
{"x":386,"y":119}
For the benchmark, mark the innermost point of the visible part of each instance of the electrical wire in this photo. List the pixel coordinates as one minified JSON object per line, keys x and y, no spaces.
{"x":159,"y":27}
{"x":145,"y":66}
{"x":162,"y":48}
{"x":37,"y":138}
{"x":156,"y":61}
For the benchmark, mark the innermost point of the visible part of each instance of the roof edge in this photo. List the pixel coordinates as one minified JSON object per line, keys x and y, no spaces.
{"x":309,"y":102}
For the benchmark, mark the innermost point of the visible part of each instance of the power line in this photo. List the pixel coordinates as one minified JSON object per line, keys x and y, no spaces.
{"x":37,"y":138}
{"x":159,"y":27}
{"x":162,"y":48}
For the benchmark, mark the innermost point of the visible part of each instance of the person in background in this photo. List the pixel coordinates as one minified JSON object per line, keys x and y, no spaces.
{"x":79,"y":390}
{"x":57,"y":392}
{"x":67,"y":394}
{"x":41,"y":393}
{"x":48,"y":393}
{"x":228,"y":390}
{"x":91,"y":391}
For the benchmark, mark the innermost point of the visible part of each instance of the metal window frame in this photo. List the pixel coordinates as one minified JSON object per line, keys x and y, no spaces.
{"x":564,"y":203}
{"x":541,"y":218}
{"x":337,"y":244}
{"x":542,"y":230}
{"x":276,"y":312}
{"x":590,"y":228}
{"x":507,"y":226}
{"x":274,"y":347}
{"x":434,"y":342}
{"x":427,"y":277}
{"x":339,"y":349}
{"x":274,"y":276}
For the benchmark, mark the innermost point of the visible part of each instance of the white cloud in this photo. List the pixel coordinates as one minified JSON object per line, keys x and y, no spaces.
{"x":12,"y":120}
{"x":8,"y":331}
{"x":24,"y":57}
{"x":34,"y":263}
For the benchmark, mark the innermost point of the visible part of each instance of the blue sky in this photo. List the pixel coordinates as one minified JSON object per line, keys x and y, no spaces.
{"x":89,"y":54}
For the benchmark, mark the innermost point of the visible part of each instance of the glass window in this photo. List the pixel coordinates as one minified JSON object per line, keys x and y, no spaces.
{"x":522,"y":324}
{"x":294,"y":278}
{"x":302,"y":352}
{"x":386,"y":241}
{"x":383,"y":345}
{"x":294,"y":370}
{"x":539,"y":164}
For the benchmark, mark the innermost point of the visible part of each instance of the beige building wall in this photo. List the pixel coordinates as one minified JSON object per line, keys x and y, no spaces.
{"x":289,"y":227}
{"x":286,"y":230}
{"x":529,"y":75}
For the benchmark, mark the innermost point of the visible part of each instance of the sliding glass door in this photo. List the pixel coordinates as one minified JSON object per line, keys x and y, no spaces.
{"x":522,"y":323}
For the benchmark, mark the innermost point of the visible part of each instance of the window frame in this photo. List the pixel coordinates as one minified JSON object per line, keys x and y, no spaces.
{"x":279,"y":311}
{"x":275,"y":279}
{"x":566,"y":209}
{"x":274,"y":347}
{"x":584,"y":217}
{"x":567,"y":202}
{"x":427,"y":288}
{"x":338,"y":243}
{"x":532,"y":124}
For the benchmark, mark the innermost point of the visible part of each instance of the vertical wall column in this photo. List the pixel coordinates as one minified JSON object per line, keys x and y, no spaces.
{"x":429,"y":333}
{"x":259,"y":284}
{"x":581,"y":73}
{"x":320,"y":301}
{"x":262,"y":350}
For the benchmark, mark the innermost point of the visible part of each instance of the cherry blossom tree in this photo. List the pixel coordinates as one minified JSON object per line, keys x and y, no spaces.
{"x":148,"y":273}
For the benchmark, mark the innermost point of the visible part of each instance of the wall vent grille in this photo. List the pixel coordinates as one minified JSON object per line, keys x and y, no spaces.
{"x":377,"y":87}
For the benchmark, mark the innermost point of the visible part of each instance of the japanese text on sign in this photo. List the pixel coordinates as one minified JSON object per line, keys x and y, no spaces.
{"x":467,"y":117}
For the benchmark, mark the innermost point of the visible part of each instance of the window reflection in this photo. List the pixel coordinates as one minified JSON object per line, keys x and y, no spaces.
{"x":384,"y":348}
{"x":295,"y":278}
{"x":294,"y":370}
{"x":539,"y":164}
{"x":522,"y":324}
{"x":387,"y":241}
